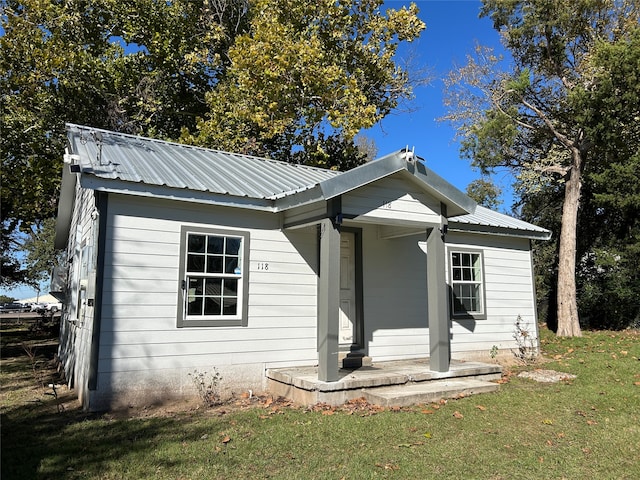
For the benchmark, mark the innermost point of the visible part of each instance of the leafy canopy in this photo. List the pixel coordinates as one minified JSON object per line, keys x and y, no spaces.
{"x":309,"y":75}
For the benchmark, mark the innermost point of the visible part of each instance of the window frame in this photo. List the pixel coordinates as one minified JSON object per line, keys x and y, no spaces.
{"x":238,"y":320}
{"x":476,"y":315}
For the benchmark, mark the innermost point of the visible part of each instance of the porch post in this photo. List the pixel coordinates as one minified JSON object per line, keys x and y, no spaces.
{"x":439,"y":341}
{"x":328,"y":301}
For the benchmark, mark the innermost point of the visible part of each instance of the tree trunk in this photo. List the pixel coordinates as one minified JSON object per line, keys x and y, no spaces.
{"x":568,"y":321}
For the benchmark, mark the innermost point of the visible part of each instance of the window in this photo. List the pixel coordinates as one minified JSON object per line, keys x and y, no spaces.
{"x":214,"y":278}
{"x":467,"y":284}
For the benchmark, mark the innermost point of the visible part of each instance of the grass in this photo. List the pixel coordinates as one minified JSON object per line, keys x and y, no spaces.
{"x":585,"y":428}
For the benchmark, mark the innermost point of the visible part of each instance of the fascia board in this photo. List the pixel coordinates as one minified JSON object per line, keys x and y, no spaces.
{"x":168,"y":193}
{"x":498,"y":231}
{"x":458,"y":203}
{"x":65,"y":207}
{"x":346,"y":182}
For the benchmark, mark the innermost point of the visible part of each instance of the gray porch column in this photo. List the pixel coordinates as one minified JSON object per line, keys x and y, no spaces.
{"x":328,"y":301}
{"x":440,"y":344}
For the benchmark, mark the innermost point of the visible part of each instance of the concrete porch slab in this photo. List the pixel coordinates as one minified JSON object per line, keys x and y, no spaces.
{"x":425,"y":392}
{"x":301,"y":384}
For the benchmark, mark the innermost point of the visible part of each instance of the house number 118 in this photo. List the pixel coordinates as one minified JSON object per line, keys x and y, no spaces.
{"x":263,"y":266}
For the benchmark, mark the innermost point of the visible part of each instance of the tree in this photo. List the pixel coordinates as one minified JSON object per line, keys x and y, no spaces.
{"x":530,"y":118}
{"x":484,"y":192}
{"x":137,"y":66}
{"x":307,"y":77}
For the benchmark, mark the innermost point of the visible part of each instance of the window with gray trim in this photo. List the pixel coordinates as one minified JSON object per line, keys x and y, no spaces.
{"x":214,"y":277}
{"x":467,"y":284}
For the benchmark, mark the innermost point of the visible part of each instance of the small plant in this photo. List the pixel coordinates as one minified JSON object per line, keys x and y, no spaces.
{"x":207,"y":386}
{"x":527,"y":351}
{"x":494,"y":351}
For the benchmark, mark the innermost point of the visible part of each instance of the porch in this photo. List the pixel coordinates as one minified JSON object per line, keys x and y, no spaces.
{"x":392,"y":383}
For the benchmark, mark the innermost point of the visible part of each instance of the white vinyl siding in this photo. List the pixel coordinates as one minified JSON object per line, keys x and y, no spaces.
{"x":509,"y":292}
{"x":391,"y":200}
{"x":140,"y":342}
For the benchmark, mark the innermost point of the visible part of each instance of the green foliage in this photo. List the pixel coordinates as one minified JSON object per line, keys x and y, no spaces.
{"x":484,"y":192}
{"x":308,"y":75}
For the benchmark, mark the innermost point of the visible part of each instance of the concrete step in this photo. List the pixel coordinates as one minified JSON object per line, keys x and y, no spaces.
{"x":425,"y":392}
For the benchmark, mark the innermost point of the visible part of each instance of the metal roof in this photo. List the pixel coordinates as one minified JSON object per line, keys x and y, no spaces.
{"x":117,"y":156}
{"x":489,"y":221}
{"x":130,"y":163}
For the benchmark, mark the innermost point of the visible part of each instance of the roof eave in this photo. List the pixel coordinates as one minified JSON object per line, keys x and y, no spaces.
{"x":65,"y":207}
{"x":457,"y":202}
{"x":498,"y":231}
{"x":170,"y":193}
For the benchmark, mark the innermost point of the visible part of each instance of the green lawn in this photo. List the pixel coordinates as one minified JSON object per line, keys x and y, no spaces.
{"x":585,"y":428}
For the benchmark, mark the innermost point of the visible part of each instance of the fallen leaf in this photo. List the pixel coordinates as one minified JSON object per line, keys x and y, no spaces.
{"x":482,"y":408}
{"x":591,"y":422}
{"x":458,"y":414}
{"x":547,"y":421}
{"x":427,"y":435}
{"x":226,"y":439}
{"x":328,"y":412}
{"x":426,"y":411}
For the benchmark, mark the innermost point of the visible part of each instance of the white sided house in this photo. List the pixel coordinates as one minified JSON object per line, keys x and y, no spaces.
{"x":183,"y":260}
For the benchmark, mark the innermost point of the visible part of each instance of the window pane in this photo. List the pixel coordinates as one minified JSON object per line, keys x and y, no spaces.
{"x":212,"y":306}
{"x":231,"y":263}
{"x":233,"y":246}
{"x":214,"y":264}
{"x":216,"y":245}
{"x":477,"y":269}
{"x":214,"y":286}
{"x":466,"y":274}
{"x":466,"y":259}
{"x":194,"y":306}
{"x":195,"y":263}
{"x":457,"y":274}
{"x":195,"y":286}
{"x":230,"y":306}
{"x":455,"y":259}
{"x":196,"y":243}
{"x":230,"y":287}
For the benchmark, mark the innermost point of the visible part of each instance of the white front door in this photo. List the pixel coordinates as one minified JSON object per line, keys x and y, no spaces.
{"x":347,"y":288}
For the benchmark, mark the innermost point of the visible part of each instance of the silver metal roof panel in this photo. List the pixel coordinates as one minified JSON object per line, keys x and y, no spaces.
{"x":116,"y":156}
{"x":488,"y":221}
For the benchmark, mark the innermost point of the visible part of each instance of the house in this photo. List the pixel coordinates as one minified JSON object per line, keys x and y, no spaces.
{"x":183,"y":259}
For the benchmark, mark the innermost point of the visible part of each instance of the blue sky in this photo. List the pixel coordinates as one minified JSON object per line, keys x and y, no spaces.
{"x":453,"y":28}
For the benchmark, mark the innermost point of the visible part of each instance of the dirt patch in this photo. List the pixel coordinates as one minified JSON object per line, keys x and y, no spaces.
{"x":547,"y":376}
